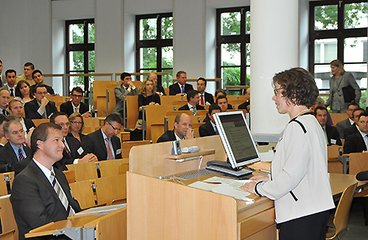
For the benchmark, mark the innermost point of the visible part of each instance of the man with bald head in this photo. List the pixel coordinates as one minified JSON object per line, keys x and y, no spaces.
{"x":182,"y":129}
{"x":159,"y":89}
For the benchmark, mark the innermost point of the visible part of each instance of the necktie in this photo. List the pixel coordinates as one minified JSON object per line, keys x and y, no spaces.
{"x":60,"y":193}
{"x":194,"y":111}
{"x":5,"y":113}
{"x":202,"y":99}
{"x":12,"y":92}
{"x":108,"y":148}
{"x":66,"y":148}
{"x":20,"y":154}
{"x":182,"y":89}
{"x":76,"y":109}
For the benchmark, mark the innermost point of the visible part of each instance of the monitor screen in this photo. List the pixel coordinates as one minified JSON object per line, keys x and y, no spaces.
{"x":236,"y":138}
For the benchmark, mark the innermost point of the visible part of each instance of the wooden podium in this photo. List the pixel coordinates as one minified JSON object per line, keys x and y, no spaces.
{"x":162,"y":209}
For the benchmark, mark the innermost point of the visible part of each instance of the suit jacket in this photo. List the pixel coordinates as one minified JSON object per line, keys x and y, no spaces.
{"x":160,"y":89}
{"x":342,"y":126}
{"x":186,"y":107}
{"x":208,"y":97}
{"x":9,"y":158}
{"x":206,"y":130}
{"x":167,"y":136}
{"x":29,"y":124}
{"x":35,"y":201}
{"x":354,"y":143}
{"x":31,"y":108}
{"x":332,"y":135}
{"x":8,"y":88}
{"x":94,"y":143}
{"x":75,"y":151}
{"x":120,"y":94}
{"x":351,"y":130}
{"x":67,"y":108}
{"x":175,"y":88}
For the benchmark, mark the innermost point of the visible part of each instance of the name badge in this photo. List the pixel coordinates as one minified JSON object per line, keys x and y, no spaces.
{"x":333,"y":141}
{"x":80,"y":150}
{"x":118,"y":151}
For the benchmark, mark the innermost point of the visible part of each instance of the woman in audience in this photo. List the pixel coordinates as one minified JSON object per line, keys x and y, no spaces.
{"x":23,"y":90}
{"x":76,"y":126}
{"x":221,"y":92}
{"x":299,"y":182}
{"x":147,"y":96}
{"x":343,"y":88}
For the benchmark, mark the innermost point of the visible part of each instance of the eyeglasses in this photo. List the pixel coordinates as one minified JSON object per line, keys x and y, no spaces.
{"x":115,"y":128}
{"x":64,"y":124}
{"x":276,"y":90}
{"x":43,"y":93}
{"x":77,"y":96}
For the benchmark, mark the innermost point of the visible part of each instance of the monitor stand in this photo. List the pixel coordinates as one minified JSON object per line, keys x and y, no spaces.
{"x":225,"y":167}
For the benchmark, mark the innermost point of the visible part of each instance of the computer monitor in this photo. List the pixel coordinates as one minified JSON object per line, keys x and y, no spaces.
{"x":236,"y":138}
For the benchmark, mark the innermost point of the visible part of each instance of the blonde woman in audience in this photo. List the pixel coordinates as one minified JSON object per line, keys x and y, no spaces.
{"x":23,"y":90}
{"x":76,"y":126}
{"x":148,"y":96}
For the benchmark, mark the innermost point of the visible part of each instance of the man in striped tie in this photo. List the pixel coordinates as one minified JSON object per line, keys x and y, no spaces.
{"x":41,"y":193}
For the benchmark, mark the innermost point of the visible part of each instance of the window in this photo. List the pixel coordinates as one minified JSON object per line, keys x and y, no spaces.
{"x":233,"y":45}
{"x":338,"y":30}
{"x":154,"y":45}
{"x":80,"y":51}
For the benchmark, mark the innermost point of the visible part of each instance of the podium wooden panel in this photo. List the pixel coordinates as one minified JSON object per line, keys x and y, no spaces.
{"x":8,"y":225}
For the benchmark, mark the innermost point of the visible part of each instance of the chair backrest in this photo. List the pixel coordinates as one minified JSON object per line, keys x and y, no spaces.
{"x":70,"y":176}
{"x":169,"y":100}
{"x":333,"y":151}
{"x":155,"y":114}
{"x":341,"y":217}
{"x":83,"y":171}
{"x":126,"y":146}
{"x":58,"y":100}
{"x":8,"y":225}
{"x":37,"y":122}
{"x":99,"y":96}
{"x":84,"y":193}
{"x":113,"y":167}
{"x":111,"y":189}
{"x":338,"y":117}
{"x":6,"y":182}
{"x":358,"y":162}
{"x":131,"y":111}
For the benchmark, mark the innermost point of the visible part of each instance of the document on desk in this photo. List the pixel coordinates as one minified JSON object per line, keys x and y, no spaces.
{"x":225,"y":186}
{"x":101,"y":210}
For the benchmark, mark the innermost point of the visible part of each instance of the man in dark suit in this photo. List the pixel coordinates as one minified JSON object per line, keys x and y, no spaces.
{"x":104,"y":143}
{"x":15,"y":155}
{"x":181,"y":86}
{"x":16,"y":109}
{"x":341,"y":126}
{"x":193,"y":100}
{"x":38,"y":78}
{"x":4,"y":101}
{"x":76,"y":104}
{"x":11,"y":81}
{"x":182,"y":129}
{"x":205,"y":98}
{"x":159,"y":89}
{"x":41,"y":193}
{"x":354,"y":127}
{"x":358,"y":142}
{"x":209,"y":128}
{"x":40,"y":107}
{"x":331,"y":133}
{"x":73,"y":151}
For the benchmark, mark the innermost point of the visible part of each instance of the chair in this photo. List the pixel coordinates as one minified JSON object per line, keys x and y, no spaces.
{"x":113,"y":167}
{"x":338,"y":117}
{"x":83,"y":171}
{"x":126,"y":146}
{"x":84,"y":193}
{"x":6,"y":182}
{"x":111,"y":189}
{"x":58,"y":100}
{"x":358,"y":162}
{"x":8,"y":225}
{"x":333,"y":153}
{"x":131,"y":111}
{"x":341,"y":216}
{"x":70,"y":176}
{"x":37,"y":122}
{"x":99,"y":96}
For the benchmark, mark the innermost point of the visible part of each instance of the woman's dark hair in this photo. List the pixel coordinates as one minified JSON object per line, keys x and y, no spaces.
{"x":298,"y":86}
{"x":17,"y":89}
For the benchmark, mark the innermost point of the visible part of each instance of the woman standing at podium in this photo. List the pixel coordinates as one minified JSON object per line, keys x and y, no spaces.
{"x":299,"y":183}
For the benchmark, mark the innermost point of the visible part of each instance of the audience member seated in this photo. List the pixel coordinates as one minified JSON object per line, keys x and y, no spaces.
{"x":354,"y":128}
{"x":159,"y":89}
{"x":27,"y":73}
{"x":193,"y":102}
{"x":76,"y":127}
{"x":16,"y":109}
{"x":331,"y":133}
{"x":321,"y":102}
{"x":39,"y":79}
{"x":358,"y":142}
{"x":15,"y":155}
{"x":4,"y":101}
{"x":75,"y":104}
{"x":205,"y":98}
{"x":341,"y":126}
{"x":147,"y":96}
{"x":221,"y":101}
{"x":126,"y":88}
{"x":181,"y":86}
{"x":73,"y":152}
{"x":40,"y":193}
{"x":209,"y":128}
{"x":104,"y":143}
{"x":182,"y":129}
{"x":40,"y":107}
{"x":10,"y":76}
{"x":23,"y":90}
{"x":3,"y":120}
{"x":221,"y":92}
{"x":246,"y":104}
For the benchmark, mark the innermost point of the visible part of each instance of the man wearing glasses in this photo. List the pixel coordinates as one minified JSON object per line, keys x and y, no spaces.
{"x":76,"y":104}
{"x":104,"y":143}
{"x":40,"y":107}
